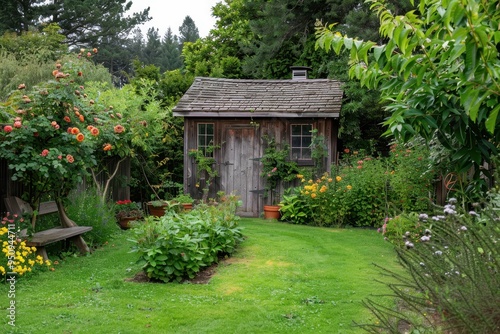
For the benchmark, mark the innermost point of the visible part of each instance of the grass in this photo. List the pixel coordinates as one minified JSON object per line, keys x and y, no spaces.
{"x":284,"y":279}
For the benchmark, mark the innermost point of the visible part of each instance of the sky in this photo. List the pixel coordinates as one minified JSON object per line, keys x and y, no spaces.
{"x":171,"y":13}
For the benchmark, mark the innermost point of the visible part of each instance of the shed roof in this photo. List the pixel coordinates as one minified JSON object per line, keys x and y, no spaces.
{"x":217,"y":97}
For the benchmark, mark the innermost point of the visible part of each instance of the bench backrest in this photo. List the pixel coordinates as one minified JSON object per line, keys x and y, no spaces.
{"x":20,"y":207}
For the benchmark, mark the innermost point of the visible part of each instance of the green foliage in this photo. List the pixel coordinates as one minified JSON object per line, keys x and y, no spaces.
{"x":452,"y":275}
{"x":178,"y":245}
{"x":402,"y":228}
{"x":205,"y":168}
{"x":439,"y":77}
{"x":276,"y":167}
{"x":410,"y":179}
{"x":86,"y":208}
{"x":362,"y":190}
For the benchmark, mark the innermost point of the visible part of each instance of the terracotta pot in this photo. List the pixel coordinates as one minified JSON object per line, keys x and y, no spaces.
{"x":187,"y":206}
{"x":157,"y":211}
{"x":125,"y":222}
{"x":272,"y":212}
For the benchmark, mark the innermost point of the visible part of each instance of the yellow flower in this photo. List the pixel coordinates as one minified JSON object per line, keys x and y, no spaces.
{"x":47,"y":263}
{"x":300,"y":176}
{"x":2,"y":270}
{"x":338,"y":178}
{"x":349,"y":187}
{"x":33,"y":249}
{"x":310,"y":181}
{"x":313,"y":195}
{"x":31,"y":262}
{"x":330,"y":179}
{"x":323,"y":189}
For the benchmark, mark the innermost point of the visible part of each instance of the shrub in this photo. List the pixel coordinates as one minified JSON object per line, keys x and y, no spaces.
{"x":178,"y":245}
{"x":404,"y":228}
{"x":452,"y":282}
{"x":86,"y":208}
{"x":410,"y":180}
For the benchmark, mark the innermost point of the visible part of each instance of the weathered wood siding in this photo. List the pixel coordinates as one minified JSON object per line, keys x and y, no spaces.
{"x":241,"y":145}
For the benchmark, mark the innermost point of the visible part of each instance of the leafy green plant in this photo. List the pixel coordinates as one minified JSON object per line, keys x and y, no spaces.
{"x":276,"y":167}
{"x":184,"y":198}
{"x":294,"y":208}
{"x":205,"y":168}
{"x":410,"y":178}
{"x":404,"y":228}
{"x":176,"y":246}
{"x":86,"y":206}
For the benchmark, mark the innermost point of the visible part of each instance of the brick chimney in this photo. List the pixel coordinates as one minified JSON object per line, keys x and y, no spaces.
{"x":300,"y":72}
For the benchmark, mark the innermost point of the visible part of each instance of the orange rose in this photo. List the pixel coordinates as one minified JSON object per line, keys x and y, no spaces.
{"x":107,"y":147}
{"x":94,"y":131}
{"x":70,"y":159}
{"x":67,"y":119}
{"x":119,"y":128}
{"x":75,"y":131}
{"x":81,"y":118}
{"x":80,"y":137}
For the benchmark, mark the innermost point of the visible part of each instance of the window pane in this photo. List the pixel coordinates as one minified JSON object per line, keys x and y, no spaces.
{"x":210,"y":129}
{"x":296,"y":130}
{"x":306,"y":141}
{"x":295,"y":141}
{"x":295,"y":153}
{"x":306,"y":129}
{"x":306,"y":153}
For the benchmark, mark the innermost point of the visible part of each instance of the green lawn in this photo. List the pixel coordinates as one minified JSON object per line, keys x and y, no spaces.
{"x":284,"y":279}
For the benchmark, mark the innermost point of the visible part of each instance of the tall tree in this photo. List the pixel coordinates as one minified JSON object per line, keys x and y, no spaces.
{"x":171,"y":55}
{"x":151,"y":53}
{"x":188,"y":31}
{"x":18,"y":15}
{"x":83,"y":22}
{"x":438,"y":72}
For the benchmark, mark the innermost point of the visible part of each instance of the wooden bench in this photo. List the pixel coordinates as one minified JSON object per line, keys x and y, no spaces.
{"x":43,"y":238}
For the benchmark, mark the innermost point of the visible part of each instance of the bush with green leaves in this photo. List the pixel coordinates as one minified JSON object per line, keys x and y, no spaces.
{"x":86,"y":208}
{"x":452,"y":282}
{"x":403,"y":228}
{"x":178,"y":245}
{"x":410,"y":177}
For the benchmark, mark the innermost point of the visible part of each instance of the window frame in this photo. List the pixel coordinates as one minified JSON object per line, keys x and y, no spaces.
{"x":300,"y":160}
{"x":206,"y":136}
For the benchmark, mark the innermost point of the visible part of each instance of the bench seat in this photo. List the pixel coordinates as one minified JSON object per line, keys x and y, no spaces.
{"x":43,"y":238}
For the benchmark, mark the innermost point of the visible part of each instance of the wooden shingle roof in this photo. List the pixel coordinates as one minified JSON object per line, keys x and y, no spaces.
{"x":216,"y":97}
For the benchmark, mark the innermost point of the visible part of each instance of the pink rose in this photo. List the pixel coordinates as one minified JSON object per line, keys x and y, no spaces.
{"x":45,"y":153}
{"x":17,"y":124}
{"x":7,"y":128}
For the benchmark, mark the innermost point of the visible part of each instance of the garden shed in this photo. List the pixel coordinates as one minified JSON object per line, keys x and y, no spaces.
{"x":235,"y":115}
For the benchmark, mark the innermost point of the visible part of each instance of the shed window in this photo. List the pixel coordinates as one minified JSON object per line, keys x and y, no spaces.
{"x":301,"y":141}
{"x":206,"y":138}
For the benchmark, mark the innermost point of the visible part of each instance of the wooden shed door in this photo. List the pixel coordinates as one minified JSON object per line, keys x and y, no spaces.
{"x":240,"y":169}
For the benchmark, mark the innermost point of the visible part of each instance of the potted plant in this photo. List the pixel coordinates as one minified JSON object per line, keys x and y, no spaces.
{"x":158,"y":207}
{"x":127,"y":211}
{"x":276,"y":167}
{"x":186,"y":200}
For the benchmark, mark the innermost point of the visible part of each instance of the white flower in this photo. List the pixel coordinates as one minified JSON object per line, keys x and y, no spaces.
{"x":473,"y":213}
{"x":425,"y":238}
{"x":423,"y":216}
{"x":409,"y":245}
{"x":452,"y":200}
{"x":463,"y":228}
{"x":422,"y":264}
{"x":438,"y":252}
